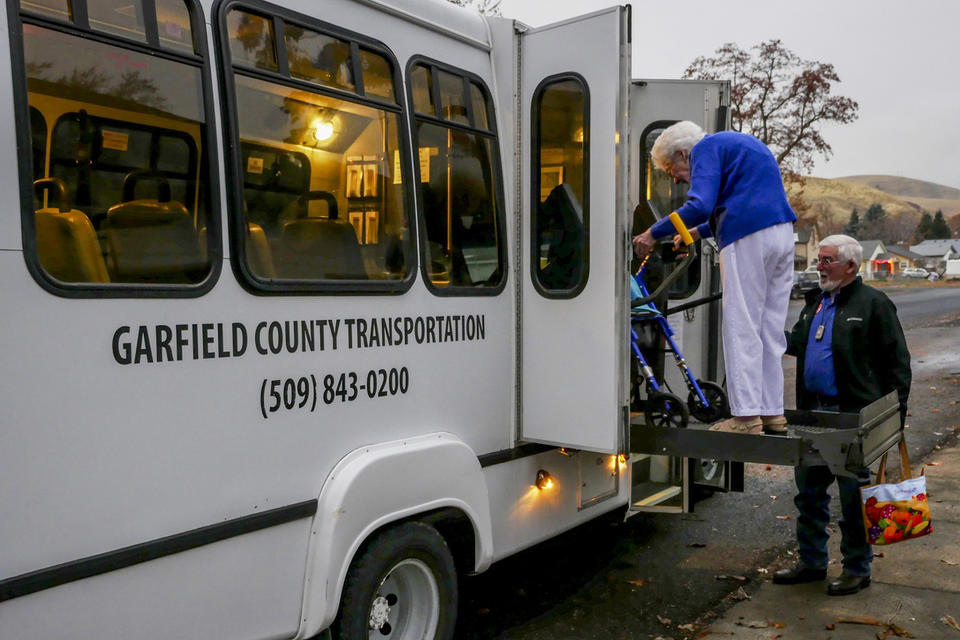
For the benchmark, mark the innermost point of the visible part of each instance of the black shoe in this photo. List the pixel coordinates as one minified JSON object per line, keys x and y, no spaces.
{"x":797,"y":574}
{"x":847,"y":584}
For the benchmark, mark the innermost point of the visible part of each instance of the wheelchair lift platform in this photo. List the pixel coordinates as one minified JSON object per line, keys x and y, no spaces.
{"x":841,"y":441}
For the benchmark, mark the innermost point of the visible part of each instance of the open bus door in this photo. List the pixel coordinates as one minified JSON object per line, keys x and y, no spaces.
{"x":574,"y":77}
{"x":670,"y":482}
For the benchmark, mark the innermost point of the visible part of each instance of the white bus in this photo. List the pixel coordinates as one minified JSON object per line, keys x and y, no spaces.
{"x":311,"y":309}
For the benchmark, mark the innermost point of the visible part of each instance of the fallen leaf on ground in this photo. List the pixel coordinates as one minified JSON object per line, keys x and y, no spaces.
{"x":753,"y":624}
{"x":783,"y":517}
{"x":934,"y":464}
{"x":934,"y":410}
{"x":739,"y":595}
{"x":637,"y":583}
{"x":949,"y":562}
{"x":878,"y":554}
{"x":769,"y":467}
{"x":697,"y":544}
{"x":686,"y":627}
{"x":950,"y":622}
{"x":664,"y":621}
{"x":777,"y":625}
{"x":830,"y":627}
{"x":889,"y":627}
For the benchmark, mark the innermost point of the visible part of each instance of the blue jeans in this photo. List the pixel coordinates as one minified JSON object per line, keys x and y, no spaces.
{"x":813,"y":503}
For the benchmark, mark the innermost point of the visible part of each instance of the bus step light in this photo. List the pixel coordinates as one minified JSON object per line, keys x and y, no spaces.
{"x":544,"y":480}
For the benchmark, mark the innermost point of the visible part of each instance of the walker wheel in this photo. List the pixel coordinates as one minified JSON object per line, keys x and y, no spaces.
{"x":665,"y":410}
{"x":716,"y":397}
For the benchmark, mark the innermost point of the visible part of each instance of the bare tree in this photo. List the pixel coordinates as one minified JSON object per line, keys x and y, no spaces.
{"x":483,"y":7}
{"x":780,"y":98}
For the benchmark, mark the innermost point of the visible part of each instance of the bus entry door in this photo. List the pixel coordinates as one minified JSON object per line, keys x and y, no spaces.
{"x":574,"y":80}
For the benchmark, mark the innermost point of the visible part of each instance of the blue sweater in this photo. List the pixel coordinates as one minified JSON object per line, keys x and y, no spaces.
{"x":736,"y":176}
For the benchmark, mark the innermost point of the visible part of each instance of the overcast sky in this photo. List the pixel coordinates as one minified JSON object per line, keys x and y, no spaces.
{"x":899,"y":60}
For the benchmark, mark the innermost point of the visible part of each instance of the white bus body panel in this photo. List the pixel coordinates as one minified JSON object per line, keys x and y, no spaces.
{"x":99,"y":456}
{"x":380,"y":484}
{"x":572,"y":379}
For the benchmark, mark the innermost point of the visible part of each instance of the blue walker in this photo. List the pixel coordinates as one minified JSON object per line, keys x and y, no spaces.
{"x":706,"y":401}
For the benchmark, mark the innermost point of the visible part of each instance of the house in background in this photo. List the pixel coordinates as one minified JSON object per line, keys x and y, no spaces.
{"x":877,"y":263}
{"x":805,"y":241}
{"x":903,"y":258}
{"x":936,"y":252}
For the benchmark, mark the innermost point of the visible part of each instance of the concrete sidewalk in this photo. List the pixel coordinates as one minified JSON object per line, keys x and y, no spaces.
{"x":917,"y":583}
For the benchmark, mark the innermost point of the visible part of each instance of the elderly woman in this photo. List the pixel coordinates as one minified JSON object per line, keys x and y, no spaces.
{"x":736,"y":195}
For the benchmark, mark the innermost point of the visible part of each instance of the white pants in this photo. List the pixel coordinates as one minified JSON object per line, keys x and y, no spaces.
{"x":757,"y":275}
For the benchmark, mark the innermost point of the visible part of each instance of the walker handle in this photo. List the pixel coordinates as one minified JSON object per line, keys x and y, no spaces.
{"x":681,"y":228}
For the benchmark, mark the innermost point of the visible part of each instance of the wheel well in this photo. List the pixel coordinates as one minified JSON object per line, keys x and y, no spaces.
{"x":457,"y":530}
{"x":452,"y":524}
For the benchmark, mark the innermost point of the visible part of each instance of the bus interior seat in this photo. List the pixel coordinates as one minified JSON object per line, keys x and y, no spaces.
{"x":67,"y":244}
{"x":152,"y":240}
{"x":560,"y":219}
{"x":259,"y":257}
{"x":320,"y":248}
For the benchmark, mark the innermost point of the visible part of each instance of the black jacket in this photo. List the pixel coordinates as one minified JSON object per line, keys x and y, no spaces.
{"x":870,"y":357}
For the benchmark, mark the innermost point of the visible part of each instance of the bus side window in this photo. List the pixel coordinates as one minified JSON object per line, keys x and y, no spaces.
{"x":126,"y":151}
{"x":560,"y":186}
{"x":668,"y":195}
{"x":459,"y":178}
{"x":323,"y":194}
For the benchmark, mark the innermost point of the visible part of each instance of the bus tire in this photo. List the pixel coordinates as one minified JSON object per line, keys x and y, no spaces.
{"x":402,"y":585}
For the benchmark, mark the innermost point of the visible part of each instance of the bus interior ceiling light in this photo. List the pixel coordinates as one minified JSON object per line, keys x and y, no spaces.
{"x":544,"y":480}
{"x":322,"y":129}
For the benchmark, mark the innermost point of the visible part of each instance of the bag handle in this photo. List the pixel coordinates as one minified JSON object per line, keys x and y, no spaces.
{"x":904,"y":463}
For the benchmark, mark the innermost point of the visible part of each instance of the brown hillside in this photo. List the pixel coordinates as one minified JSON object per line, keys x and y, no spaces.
{"x":832,"y":201}
{"x":906,"y":187}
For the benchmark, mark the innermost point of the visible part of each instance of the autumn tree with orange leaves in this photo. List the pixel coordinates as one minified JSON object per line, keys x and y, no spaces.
{"x":779,"y":98}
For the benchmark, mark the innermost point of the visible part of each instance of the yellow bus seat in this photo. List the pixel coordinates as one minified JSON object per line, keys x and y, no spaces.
{"x":67,"y":246}
{"x":320,"y":248}
{"x":259,"y":257}
{"x":151,"y":241}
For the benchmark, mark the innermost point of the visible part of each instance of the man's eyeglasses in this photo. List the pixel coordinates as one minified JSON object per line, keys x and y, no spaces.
{"x":826,"y":261}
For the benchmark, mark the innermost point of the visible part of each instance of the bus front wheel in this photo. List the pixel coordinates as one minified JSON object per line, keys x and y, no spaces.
{"x":401,"y":586}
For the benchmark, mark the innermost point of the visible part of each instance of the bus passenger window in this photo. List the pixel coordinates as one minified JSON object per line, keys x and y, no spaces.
{"x":56,"y":9}
{"x":377,"y":76}
{"x":119,"y":188}
{"x":421,"y":86}
{"x":459,"y":205}
{"x":559,"y":187}
{"x":252,"y":40}
{"x":323,"y":188}
{"x":668,"y":195}
{"x":318,"y":58}
{"x":117,"y":17}
{"x":173,"y":24}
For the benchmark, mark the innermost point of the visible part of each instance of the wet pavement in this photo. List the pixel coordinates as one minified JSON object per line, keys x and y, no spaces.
{"x":707,"y":574}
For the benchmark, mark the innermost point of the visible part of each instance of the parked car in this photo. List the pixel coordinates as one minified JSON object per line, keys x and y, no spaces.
{"x":915,"y":272}
{"x":804,"y":281}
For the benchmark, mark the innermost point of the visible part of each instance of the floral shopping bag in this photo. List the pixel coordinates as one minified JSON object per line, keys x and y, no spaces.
{"x":896,"y":512}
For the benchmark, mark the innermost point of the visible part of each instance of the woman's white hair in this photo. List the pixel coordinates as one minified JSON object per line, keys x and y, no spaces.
{"x":848,"y":249}
{"x":677,"y":137}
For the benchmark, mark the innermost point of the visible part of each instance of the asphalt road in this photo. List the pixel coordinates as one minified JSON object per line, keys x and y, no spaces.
{"x":656,"y":573}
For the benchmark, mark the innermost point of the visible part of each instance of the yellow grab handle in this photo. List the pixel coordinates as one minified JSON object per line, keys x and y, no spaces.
{"x":681,"y":228}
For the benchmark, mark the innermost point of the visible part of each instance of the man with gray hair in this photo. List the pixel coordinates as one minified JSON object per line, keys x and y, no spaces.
{"x":850,"y":351}
{"x":736,"y":194}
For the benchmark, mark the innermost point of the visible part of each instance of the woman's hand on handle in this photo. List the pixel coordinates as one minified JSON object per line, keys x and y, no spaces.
{"x":678,"y":244}
{"x":643,"y":243}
